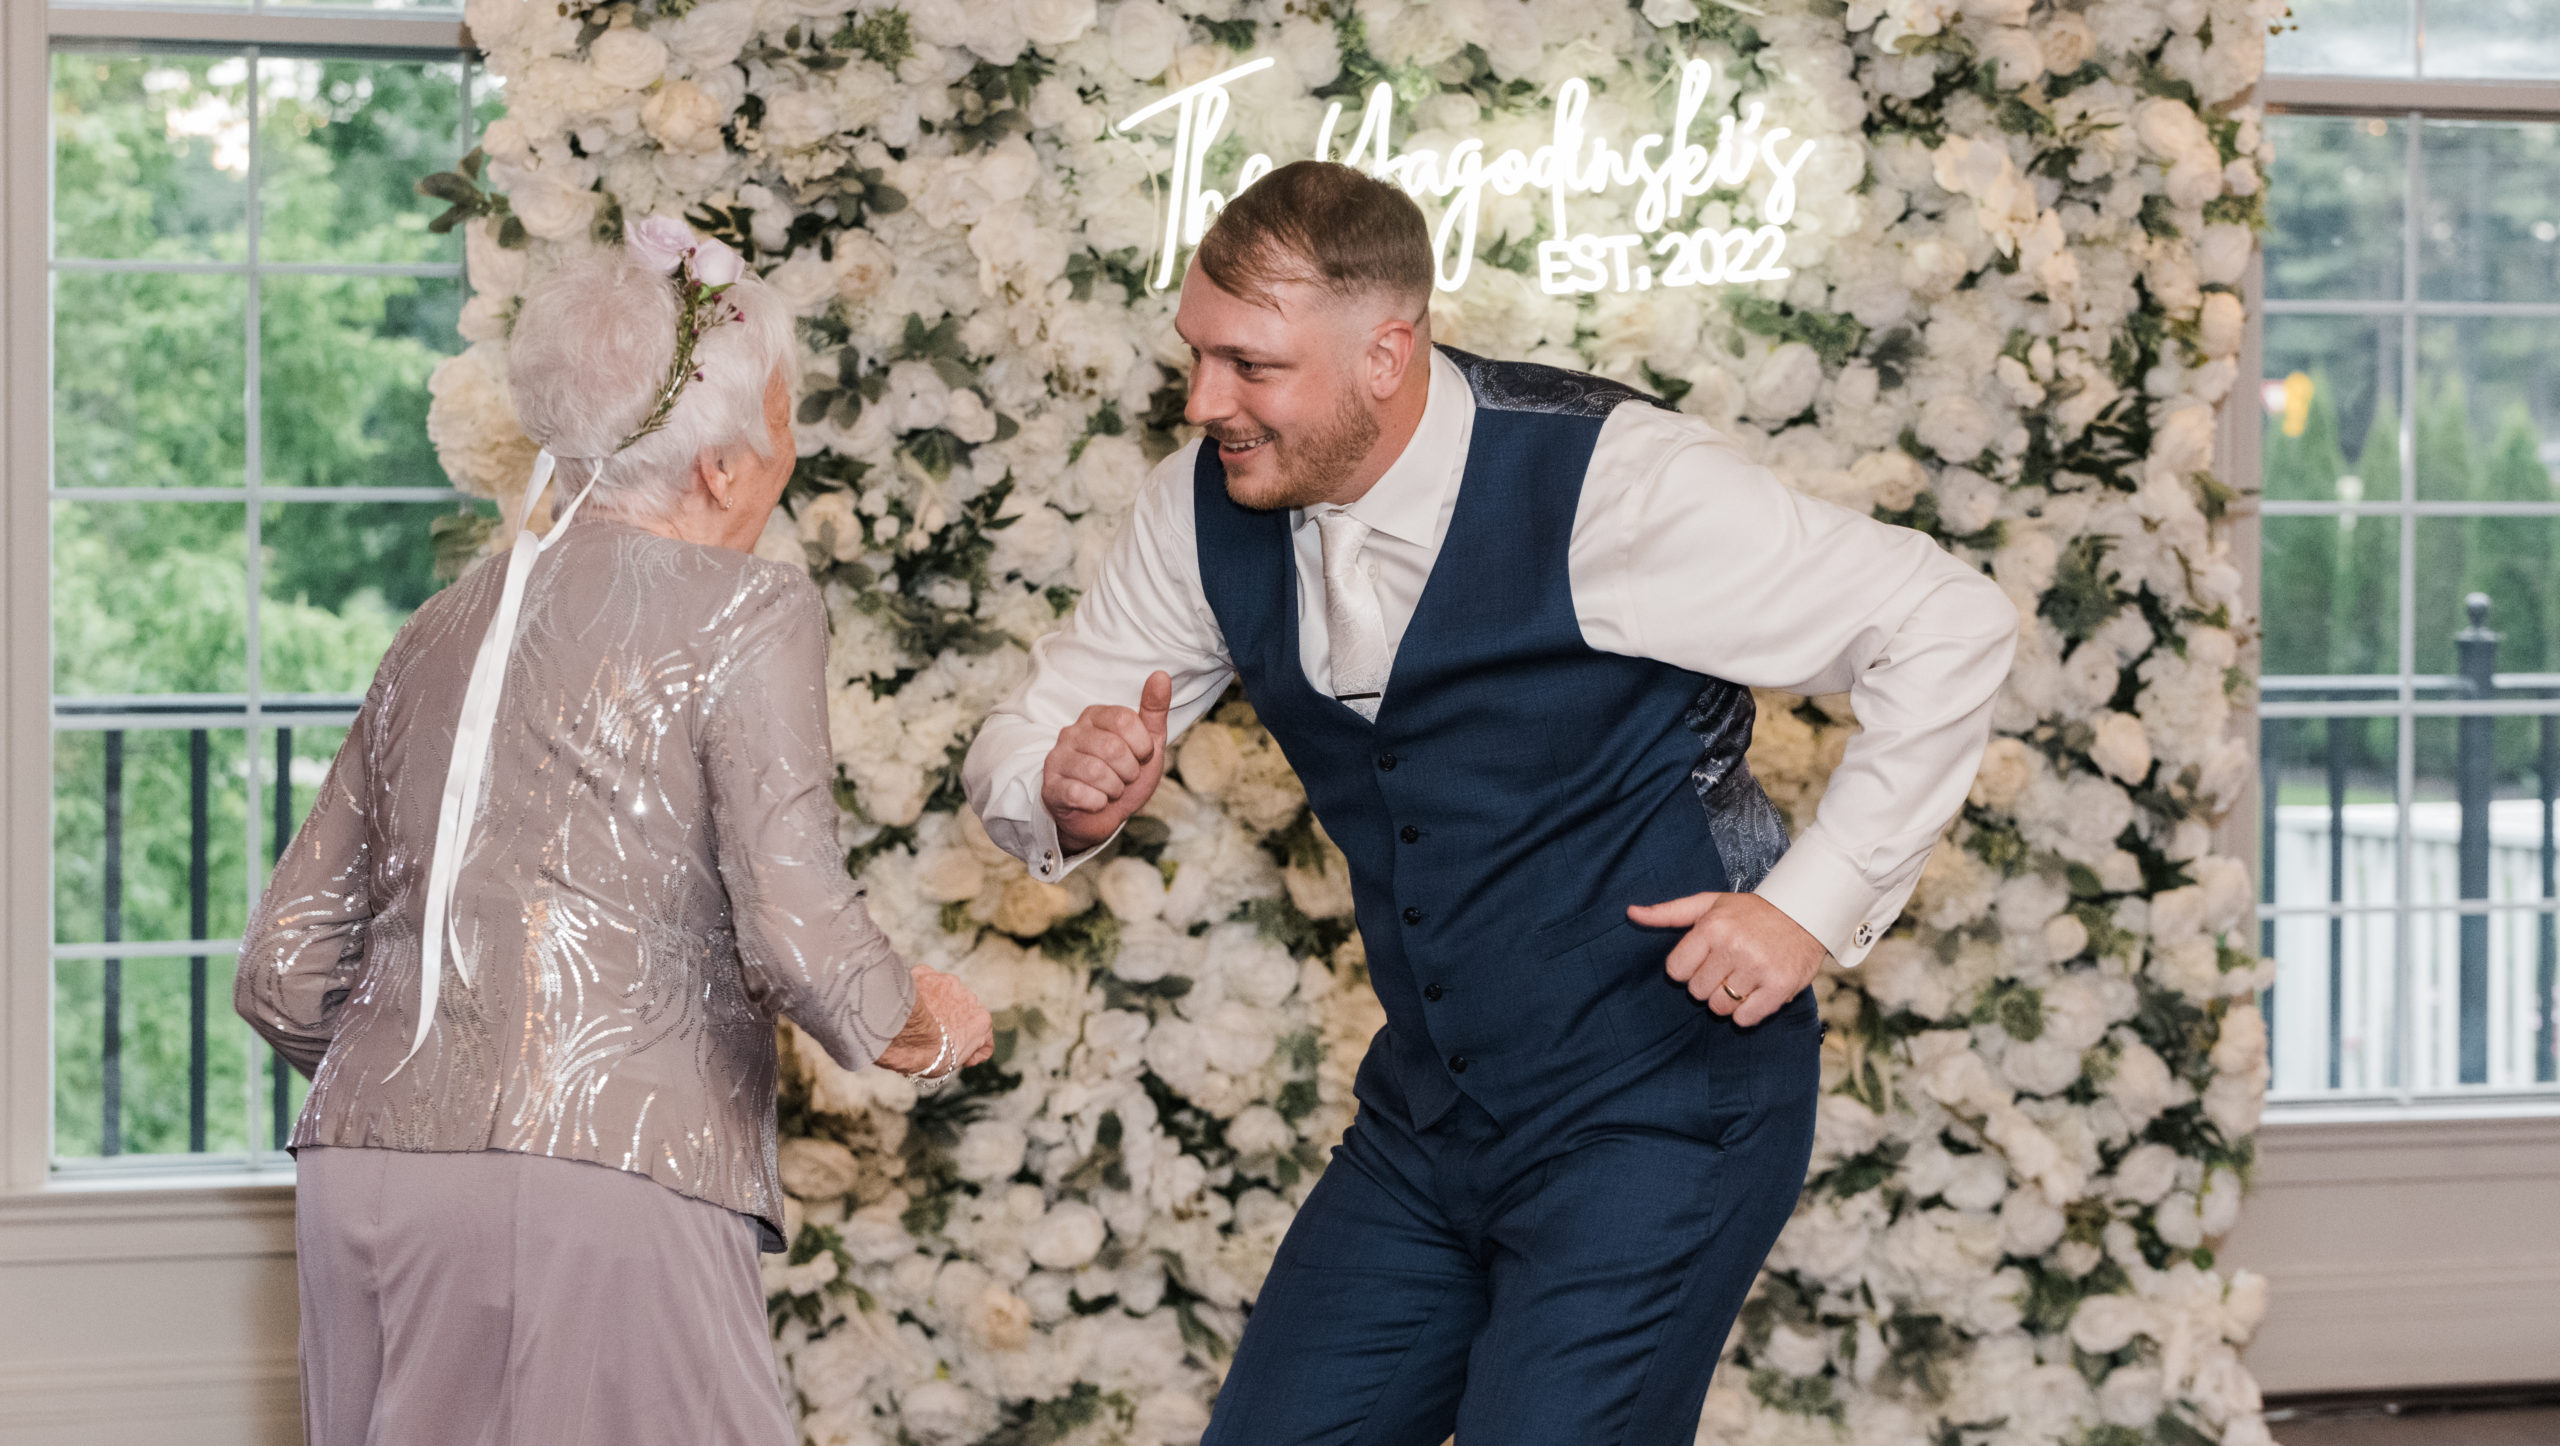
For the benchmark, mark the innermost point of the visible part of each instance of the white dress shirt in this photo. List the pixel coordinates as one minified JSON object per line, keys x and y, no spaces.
{"x":1682,"y":551}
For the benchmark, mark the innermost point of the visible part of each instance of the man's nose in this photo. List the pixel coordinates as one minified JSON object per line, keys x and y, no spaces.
{"x":1208,"y":400}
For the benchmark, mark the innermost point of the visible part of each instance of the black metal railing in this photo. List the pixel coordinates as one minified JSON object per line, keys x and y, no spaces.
{"x":112,"y":720}
{"x":2474,"y":769}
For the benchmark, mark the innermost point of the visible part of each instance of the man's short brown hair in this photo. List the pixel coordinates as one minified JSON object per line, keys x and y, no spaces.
{"x":1321,"y":222}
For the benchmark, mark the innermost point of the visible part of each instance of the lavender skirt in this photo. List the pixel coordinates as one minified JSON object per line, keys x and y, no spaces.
{"x":501,"y":1299}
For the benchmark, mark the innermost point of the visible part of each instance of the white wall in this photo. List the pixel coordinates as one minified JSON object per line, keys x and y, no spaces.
{"x":148,"y":1315}
{"x":2405,"y":1250}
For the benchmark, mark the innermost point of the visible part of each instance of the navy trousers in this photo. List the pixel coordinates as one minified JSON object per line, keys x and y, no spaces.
{"x":1567,"y":1282}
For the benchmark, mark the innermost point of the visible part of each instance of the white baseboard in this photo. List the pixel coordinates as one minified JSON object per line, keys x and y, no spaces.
{"x":71,"y":1399}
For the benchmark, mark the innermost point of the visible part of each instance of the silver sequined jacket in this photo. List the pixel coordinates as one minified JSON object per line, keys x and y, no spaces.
{"x":653,"y":876}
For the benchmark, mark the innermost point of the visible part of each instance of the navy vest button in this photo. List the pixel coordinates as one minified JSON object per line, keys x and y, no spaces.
{"x":1386,"y":763}
{"x":1457,"y":1064}
{"x":1413,"y":916}
{"x":1432,"y":991}
{"x":1410,"y":834}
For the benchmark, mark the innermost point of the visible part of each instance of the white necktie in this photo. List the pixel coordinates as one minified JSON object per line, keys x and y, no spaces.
{"x":1355,"y":628}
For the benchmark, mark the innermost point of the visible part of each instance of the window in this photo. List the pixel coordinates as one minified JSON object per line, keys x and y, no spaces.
{"x":246,"y":304}
{"x":2410,"y":550}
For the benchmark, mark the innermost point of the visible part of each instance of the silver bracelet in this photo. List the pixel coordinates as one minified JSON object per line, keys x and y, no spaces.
{"x":946,"y":1063}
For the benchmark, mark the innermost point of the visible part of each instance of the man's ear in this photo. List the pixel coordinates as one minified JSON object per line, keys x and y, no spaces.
{"x":1393,"y":347}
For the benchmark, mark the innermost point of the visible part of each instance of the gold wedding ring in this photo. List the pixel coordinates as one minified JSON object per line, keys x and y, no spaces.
{"x":1727,"y":987}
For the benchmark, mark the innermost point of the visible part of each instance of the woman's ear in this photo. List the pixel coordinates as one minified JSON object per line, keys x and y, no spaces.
{"x":711,"y":473}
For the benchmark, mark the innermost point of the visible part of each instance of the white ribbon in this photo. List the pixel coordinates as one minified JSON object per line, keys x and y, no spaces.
{"x":470,"y":761}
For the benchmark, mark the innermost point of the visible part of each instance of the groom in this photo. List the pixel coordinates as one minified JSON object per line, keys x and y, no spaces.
{"x":1504,"y":620}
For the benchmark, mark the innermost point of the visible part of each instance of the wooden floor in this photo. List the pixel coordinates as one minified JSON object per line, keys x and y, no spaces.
{"x":2530,"y":1427}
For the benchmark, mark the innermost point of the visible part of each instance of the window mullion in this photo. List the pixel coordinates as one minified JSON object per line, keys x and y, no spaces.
{"x":2405,"y":759}
{"x":254,"y":482}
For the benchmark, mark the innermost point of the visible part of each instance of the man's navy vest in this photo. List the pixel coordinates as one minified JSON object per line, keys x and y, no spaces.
{"x":1519,"y":788}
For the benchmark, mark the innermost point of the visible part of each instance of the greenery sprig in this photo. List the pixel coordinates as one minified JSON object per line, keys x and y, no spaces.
{"x":700,"y":306}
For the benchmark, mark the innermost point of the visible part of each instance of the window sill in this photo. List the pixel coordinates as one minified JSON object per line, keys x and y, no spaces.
{"x":163,"y":1215}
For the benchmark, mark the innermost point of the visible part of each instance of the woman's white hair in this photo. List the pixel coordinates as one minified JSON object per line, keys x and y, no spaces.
{"x":591,"y":348}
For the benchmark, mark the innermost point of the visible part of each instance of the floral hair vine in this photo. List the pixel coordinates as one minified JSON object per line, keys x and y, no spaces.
{"x":704,"y":269}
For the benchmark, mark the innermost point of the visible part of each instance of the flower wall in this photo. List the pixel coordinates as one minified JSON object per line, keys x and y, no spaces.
{"x":2007,"y":307}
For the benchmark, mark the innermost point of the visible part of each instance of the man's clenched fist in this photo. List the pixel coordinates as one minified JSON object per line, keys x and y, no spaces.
{"x":1106,"y":766}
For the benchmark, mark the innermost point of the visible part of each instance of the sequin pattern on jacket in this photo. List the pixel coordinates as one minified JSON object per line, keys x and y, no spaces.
{"x":653,"y":876}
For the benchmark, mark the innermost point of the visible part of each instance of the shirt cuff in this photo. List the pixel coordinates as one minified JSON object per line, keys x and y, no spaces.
{"x":1819,"y":888}
{"x":1018,"y":824}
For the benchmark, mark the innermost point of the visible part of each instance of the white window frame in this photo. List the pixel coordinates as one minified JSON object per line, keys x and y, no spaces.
{"x":2411,"y":101}
{"x":29,"y":30}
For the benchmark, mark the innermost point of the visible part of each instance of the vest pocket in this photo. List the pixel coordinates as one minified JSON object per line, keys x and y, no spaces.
{"x":1549,"y":940}
{"x":1643,"y":1002}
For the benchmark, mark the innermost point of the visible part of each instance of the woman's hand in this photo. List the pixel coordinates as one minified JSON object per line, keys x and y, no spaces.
{"x":942,"y":1002}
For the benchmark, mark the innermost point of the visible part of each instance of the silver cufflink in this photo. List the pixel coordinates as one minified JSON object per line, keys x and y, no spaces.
{"x":1866,"y":935}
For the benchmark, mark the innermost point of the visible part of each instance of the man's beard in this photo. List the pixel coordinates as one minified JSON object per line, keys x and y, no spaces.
{"x":1309,"y":466}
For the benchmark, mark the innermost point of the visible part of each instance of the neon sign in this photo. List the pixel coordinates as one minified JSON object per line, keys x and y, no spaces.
{"x":1666,"y":172}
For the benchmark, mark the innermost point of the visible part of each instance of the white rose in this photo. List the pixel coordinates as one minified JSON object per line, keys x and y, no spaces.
{"x":1068,"y":1236}
{"x":494,"y":270}
{"x":815,"y":1169}
{"x":1039,"y":543}
{"x":970,"y":420}
{"x":1172,"y":1418}
{"x":1133,"y":888}
{"x":2067,"y":43}
{"x":863,"y":265}
{"x":1798,"y":1353}
{"x":798,"y":119}
{"x":2222,"y":252}
{"x":2176,"y":1221}
{"x":804,"y":281}
{"x":2146,"y":1173}
{"x":1955,"y":427}
{"x":628,"y":57}
{"x":1012,"y":245}
{"x":1177,"y":1051}
{"x":2121,"y":748}
{"x":2103,"y":1324}
{"x":944,"y":1413}
{"x":710,"y":35}
{"x":989,"y":1150}
{"x":2008,"y":766}
{"x":471,"y":422}
{"x":682,"y":116}
{"x":2029,"y":1223}
{"x":917,"y":399}
{"x":484,"y":317}
{"x":1785,"y":383}
{"x":1260,"y":1130}
{"x":1056,"y":22}
{"x":1109,"y":471}
{"x":1143,"y":37}
{"x":1890,"y":478}
{"x":2131,"y":1397}
{"x":550,"y":210}
{"x":2018,"y":54}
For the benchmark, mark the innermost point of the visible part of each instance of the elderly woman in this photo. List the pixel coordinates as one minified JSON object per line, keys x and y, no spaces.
{"x":576,"y":853}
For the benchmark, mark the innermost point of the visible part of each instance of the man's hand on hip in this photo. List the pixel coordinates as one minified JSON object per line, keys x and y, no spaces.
{"x":1737,"y":945}
{"x":1106,"y":765}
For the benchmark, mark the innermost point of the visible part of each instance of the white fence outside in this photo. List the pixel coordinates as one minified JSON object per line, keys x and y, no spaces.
{"x":2368,"y":986}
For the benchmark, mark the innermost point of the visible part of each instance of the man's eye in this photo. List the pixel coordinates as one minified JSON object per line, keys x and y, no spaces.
{"x":1247,"y":367}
